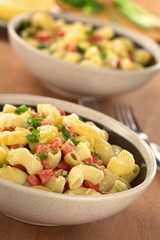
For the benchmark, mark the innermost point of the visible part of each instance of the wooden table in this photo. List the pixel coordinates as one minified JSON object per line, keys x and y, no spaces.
{"x":141,"y":221}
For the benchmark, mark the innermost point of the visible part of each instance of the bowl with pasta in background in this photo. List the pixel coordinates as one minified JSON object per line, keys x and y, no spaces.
{"x":70,"y":166}
{"x":77,"y":55}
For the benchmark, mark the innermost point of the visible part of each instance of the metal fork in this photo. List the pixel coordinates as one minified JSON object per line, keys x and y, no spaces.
{"x":126,"y":115}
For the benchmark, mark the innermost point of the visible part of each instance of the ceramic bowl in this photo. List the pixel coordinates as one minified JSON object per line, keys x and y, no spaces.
{"x":73,"y":80}
{"x":47,"y":208}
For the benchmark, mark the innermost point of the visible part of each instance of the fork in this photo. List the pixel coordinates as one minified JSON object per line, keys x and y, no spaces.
{"x":126,"y":115}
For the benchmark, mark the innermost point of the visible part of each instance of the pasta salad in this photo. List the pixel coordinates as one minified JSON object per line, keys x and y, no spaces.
{"x":83,"y":44}
{"x":57,"y":152}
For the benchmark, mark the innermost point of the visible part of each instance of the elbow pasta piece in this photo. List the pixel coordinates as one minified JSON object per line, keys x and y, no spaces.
{"x":47,"y":133}
{"x":108,"y":181}
{"x":119,"y":186}
{"x":24,"y":157}
{"x":123,"y":164}
{"x":53,"y":158}
{"x":83,"y":172}
{"x":116,"y":149}
{"x":43,"y":21}
{"x":132,"y":175}
{"x":88,"y":140}
{"x":82,"y":191}
{"x":8,"y":108}
{"x":3,"y":154}
{"x":83,"y":128}
{"x":52,"y":114}
{"x":72,"y":158}
{"x":13,"y":120}
{"x":14,"y":138}
{"x":13,"y":175}
{"x":44,"y":188}
{"x":104,"y":149}
{"x":82,"y":150}
{"x":56,"y":184}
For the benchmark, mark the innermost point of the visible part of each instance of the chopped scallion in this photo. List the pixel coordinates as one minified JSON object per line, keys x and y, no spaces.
{"x":41,"y":155}
{"x":32,"y":138}
{"x":20,"y":109}
{"x":1,"y":165}
{"x":64,"y":173}
{"x":97,"y":155}
{"x":66,"y":132}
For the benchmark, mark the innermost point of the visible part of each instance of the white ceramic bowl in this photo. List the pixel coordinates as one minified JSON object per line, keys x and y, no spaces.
{"x":46,"y":208}
{"x":74,"y":80}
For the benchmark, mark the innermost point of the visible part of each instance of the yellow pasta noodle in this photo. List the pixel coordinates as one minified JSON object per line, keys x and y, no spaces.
{"x":14,"y":138}
{"x":56,"y":184}
{"x":51,"y":113}
{"x":119,"y":186}
{"x":13,"y":175}
{"x":53,"y":158}
{"x":24,"y":157}
{"x":82,"y":191}
{"x":83,"y":172}
{"x":83,"y":128}
{"x":104,"y":149}
{"x":123,"y":164}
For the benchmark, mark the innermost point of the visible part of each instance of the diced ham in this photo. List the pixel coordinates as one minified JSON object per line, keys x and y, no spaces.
{"x":89,"y":160}
{"x":44,"y":123}
{"x":59,"y":33}
{"x":45,"y":175}
{"x":45,"y":165}
{"x":70,"y":47}
{"x":131,"y":57}
{"x":19,"y":166}
{"x":91,"y":185}
{"x":96,"y":159}
{"x":6,"y":129}
{"x":62,"y":113}
{"x":38,"y":114}
{"x":42,"y":148}
{"x":96,"y":37}
{"x":67,"y":147}
{"x":57,"y":172}
{"x":17,"y":146}
{"x":119,"y":63}
{"x":43,"y":36}
{"x":34,"y":180}
{"x":63,"y":165}
{"x":56,"y":143}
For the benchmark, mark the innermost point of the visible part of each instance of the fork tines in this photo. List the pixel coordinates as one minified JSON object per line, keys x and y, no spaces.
{"x":126,"y":115}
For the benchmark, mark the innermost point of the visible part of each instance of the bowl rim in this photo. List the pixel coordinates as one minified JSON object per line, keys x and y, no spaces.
{"x":24,"y":98}
{"x":14,"y":22}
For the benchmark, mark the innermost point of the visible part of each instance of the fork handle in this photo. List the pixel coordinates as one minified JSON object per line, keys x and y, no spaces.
{"x":156,"y":150}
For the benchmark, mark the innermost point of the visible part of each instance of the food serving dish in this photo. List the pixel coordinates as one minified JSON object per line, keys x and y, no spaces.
{"x":48,"y":208}
{"x":76,"y":80}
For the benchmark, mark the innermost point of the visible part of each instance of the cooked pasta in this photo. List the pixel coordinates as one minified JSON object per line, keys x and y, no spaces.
{"x":61,"y":153}
{"x":83,"y":44}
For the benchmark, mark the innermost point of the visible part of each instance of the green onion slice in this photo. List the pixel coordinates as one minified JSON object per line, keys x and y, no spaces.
{"x":75,"y":142}
{"x":36,"y":132}
{"x":97,"y":155}
{"x":64,"y":173}
{"x":91,"y":165}
{"x":32,"y":138}
{"x":20,"y":109}
{"x":103,"y":55}
{"x":1,"y":165}
{"x":41,"y":155}
{"x":66,"y":132}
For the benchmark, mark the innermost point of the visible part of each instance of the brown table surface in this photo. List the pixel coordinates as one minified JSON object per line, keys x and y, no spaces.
{"x":141,"y":221}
